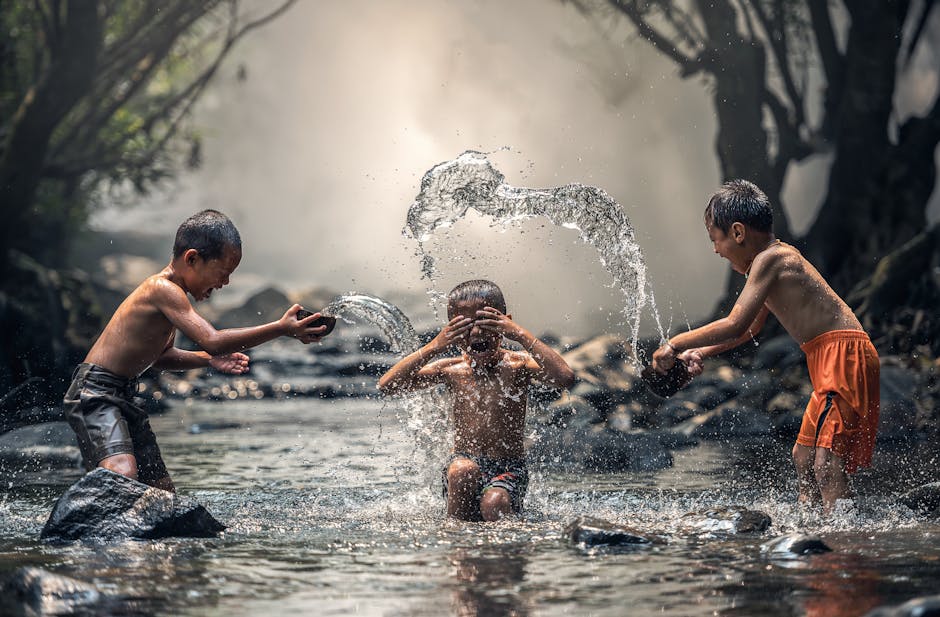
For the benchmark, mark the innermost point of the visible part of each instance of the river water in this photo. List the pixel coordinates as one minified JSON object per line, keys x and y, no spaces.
{"x":331,"y":510}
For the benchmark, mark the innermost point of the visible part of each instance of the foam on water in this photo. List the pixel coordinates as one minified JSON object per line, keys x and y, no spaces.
{"x":449,"y":190}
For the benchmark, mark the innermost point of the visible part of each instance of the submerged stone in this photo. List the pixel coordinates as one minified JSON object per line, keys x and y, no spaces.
{"x":107,"y":506}
{"x":726,"y":520}
{"x":927,"y":606}
{"x":923,"y":499}
{"x":34,"y":591}
{"x":794,"y":545}
{"x":586,"y":532}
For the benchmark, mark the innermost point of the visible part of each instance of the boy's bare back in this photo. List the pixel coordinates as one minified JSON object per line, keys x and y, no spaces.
{"x":794,"y":291}
{"x":139,"y":332}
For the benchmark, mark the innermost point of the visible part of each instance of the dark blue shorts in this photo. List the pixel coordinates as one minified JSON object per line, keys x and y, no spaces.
{"x":512,"y":475}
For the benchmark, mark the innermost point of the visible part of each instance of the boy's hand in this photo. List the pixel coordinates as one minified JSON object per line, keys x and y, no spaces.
{"x":694,"y":361}
{"x":234,"y":363}
{"x":301,"y":329}
{"x":494,"y":321}
{"x":664,"y":359}
{"x":456,"y":329}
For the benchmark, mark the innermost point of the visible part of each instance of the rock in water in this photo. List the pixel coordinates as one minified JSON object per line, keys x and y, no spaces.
{"x":34,"y":591}
{"x":107,"y":506}
{"x":928,"y":606}
{"x":794,"y":545}
{"x":726,"y":520}
{"x":923,"y":499}
{"x":586,"y":531}
{"x":665,"y":385}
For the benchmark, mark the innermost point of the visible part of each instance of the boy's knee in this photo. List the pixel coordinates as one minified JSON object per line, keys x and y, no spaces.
{"x":495,"y":504}
{"x":461,"y":471}
{"x":803,"y":456}
{"x":124,"y":464}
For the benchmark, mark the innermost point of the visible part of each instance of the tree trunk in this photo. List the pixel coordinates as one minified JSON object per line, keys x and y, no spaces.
{"x":69,"y":77}
{"x":863,"y":216}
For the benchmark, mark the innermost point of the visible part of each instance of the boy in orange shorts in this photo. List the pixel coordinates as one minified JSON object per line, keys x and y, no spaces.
{"x":837,"y":435}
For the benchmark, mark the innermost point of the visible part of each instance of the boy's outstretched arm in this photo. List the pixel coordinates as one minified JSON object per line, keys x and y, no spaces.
{"x":751,"y":332}
{"x":546,"y":363}
{"x":170,"y":300}
{"x":413,"y":371}
{"x":725,"y":333}
{"x":175,"y":359}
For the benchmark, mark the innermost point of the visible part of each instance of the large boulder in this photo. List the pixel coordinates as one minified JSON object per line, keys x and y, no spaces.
{"x":729,"y":420}
{"x":107,"y":506}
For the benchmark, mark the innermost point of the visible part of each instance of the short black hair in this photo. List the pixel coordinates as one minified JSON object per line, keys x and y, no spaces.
{"x":209,"y":232}
{"x":739,"y":201}
{"x":478,"y":289}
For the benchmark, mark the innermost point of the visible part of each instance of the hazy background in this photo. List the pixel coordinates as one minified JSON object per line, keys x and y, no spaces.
{"x":318,"y":153}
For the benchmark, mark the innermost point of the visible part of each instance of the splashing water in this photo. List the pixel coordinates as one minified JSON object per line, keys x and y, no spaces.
{"x":450,"y":189}
{"x":393,"y":323}
{"x":423,"y":413}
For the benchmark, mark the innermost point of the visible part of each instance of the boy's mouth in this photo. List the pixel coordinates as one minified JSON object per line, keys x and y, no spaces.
{"x":479,"y":346}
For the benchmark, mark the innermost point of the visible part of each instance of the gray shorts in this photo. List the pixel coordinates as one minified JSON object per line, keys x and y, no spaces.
{"x":99,"y":407}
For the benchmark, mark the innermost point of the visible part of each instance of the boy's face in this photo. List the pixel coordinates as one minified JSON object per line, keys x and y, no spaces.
{"x":728,"y":245}
{"x":481,"y":345}
{"x":211,"y":274}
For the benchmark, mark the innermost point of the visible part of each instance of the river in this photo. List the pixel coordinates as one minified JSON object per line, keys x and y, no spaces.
{"x":332,"y":510}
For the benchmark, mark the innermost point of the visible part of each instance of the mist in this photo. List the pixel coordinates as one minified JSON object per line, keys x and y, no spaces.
{"x":319,"y":151}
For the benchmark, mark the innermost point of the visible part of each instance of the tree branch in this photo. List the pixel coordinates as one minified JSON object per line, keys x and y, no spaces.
{"x":689,"y":66}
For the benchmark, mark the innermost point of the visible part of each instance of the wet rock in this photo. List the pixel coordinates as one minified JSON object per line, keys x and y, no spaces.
{"x":794,"y":545}
{"x":588,"y":532}
{"x":34,"y":591}
{"x":923,"y":499}
{"x":777,"y":353}
{"x":599,"y":449}
{"x":927,"y":606}
{"x":50,"y":445}
{"x":704,"y":395}
{"x":730,"y":419}
{"x":725,"y":520}
{"x":266,"y":305}
{"x":604,"y":350}
{"x":107,"y":506}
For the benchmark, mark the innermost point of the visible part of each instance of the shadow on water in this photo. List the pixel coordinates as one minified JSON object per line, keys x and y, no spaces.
{"x":326,"y":514}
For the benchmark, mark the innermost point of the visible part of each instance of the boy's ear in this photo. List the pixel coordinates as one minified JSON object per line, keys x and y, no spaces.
{"x":190,"y":256}
{"x":737,"y":232}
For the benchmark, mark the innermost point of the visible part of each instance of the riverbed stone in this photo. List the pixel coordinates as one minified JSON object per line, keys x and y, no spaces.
{"x":927,"y":606}
{"x":795,"y":545}
{"x":35,"y":591}
{"x":728,"y":420}
{"x":588,"y":532}
{"x":924,"y":499}
{"x":726,"y":520}
{"x":107,"y":506}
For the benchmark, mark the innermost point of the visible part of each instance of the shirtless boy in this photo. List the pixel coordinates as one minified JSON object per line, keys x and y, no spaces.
{"x":837,"y":435}
{"x":486,"y":476}
{"x":113,"y":432}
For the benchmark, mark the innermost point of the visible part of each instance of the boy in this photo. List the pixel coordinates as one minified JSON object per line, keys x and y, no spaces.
{"x":837,"y":435}
{"x":113,"y":432}
{"x":486,"y":476}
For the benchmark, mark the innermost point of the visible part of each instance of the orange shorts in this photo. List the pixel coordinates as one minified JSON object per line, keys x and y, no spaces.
{"x":842,"y":414}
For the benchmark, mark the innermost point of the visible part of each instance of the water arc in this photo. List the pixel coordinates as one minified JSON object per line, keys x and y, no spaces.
{"x":450,"y":189}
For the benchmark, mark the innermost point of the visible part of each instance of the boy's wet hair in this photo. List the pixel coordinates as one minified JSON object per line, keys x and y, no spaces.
{"x":478,"y":289}
{"x":739,"y":201}
{"x":209,"y":232}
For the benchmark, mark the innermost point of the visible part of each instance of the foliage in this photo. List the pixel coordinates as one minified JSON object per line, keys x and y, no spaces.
{"x":96,"y":94}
